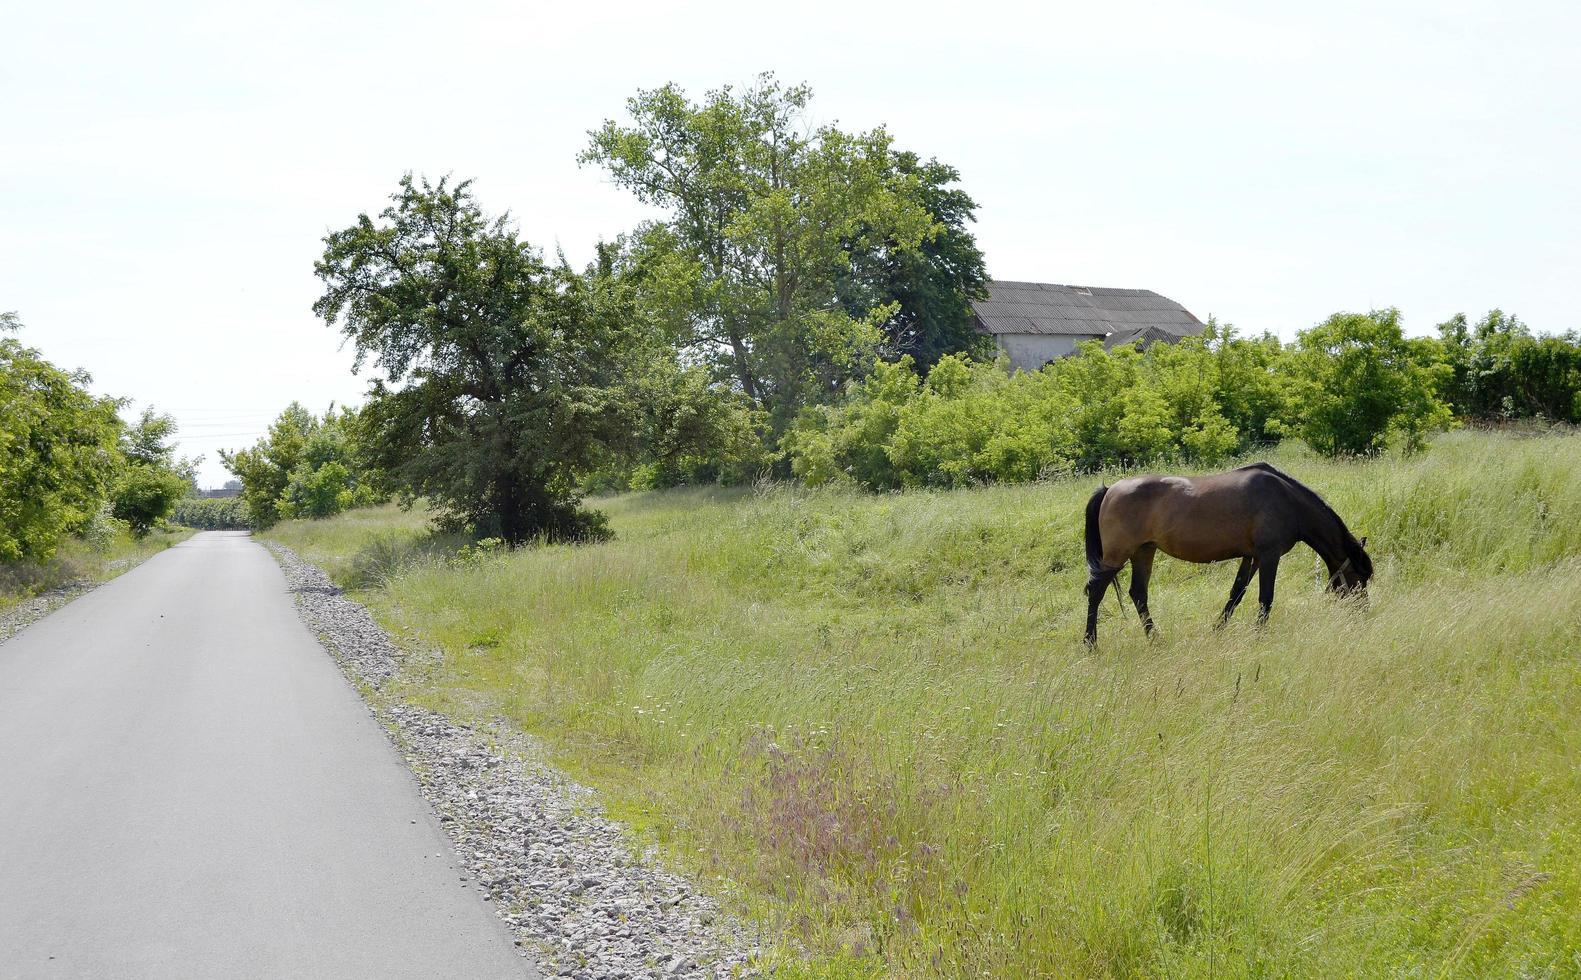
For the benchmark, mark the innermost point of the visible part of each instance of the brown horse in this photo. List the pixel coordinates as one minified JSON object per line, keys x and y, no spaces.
{"x":1255,"y":513}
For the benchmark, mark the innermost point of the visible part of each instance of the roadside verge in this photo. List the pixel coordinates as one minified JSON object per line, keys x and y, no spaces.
{"x":19,"y":615}
{"x":579,"y":895}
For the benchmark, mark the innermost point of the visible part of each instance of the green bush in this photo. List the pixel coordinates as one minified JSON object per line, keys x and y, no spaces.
{"x":1359,"y":381}
{"x":689,"y":431}
{"x":971,"y":424}
{"x":1134,"y":407}
{"x":323,"y":491}
{"x":145,"y":495}
{"x":1350,"y":387}
{"x":101,"y":531}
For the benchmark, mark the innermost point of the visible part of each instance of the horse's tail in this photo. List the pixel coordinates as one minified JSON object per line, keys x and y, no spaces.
{"x":1094,"y":538}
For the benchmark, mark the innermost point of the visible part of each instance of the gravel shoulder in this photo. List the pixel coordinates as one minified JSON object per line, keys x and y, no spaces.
{"x":580,"y":896}
{"x":29,"y":611}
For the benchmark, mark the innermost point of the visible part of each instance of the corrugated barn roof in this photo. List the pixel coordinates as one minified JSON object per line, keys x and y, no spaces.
{"x":1085,"y":311}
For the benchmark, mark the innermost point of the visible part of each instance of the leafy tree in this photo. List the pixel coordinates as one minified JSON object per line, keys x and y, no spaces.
{"x":58,"y":453}
{"x":304,"y":467}
{"x":1251,"y":395}
{"x":499,"y":371}
{"x":930,"y":288}
{"x":685,"y":426}
{"x":150,"y":442}
{"x":319,"y":492}
{"x":331,"y":473}
{"x":1546,"y":378}
{"x":265,"y":468}
{"x":154,"y":479}
{"x":1359,"y":381}
{"x":1456,"y":386}
{"x":687,"y":430}
{"x":764,"y":216}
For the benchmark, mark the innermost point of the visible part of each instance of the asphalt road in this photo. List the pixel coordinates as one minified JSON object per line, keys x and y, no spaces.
{"x":190,"y":788}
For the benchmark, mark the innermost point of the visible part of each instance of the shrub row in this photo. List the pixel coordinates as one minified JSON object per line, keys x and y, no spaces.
{"x":1349,"y":386}
{"x":1499,"y":370}
{"x":212,"y":514}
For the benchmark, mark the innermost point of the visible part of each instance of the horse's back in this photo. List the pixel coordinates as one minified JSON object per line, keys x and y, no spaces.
{"x":1149,"y":486}
{"x":1182,"y":491}
{"x":1204,"y":518}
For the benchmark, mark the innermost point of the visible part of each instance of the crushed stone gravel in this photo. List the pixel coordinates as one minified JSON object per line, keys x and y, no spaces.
{"x":583,"y":900}
{"x":29,"y":611}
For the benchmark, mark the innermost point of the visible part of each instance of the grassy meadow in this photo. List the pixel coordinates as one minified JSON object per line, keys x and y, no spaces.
{"x":870,"y":719}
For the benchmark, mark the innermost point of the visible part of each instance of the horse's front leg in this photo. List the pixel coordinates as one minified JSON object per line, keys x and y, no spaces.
{"x":1243,"y":577}
{"x":1268,"y":570}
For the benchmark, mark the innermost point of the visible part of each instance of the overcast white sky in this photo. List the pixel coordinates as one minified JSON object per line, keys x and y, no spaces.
{"x":167,"y":170}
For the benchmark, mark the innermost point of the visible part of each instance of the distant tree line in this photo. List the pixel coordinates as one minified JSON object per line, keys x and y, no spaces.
{"x":212,"y":513}
{"x":801,"y":307}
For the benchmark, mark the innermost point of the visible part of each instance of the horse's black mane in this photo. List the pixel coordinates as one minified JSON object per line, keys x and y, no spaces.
{"x":1356,"y":552}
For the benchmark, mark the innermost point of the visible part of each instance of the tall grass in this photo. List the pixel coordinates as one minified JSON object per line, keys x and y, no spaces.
{"x":873,"y":717}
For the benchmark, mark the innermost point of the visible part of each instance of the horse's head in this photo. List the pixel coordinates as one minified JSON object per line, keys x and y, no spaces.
{"x":1354,"y":572}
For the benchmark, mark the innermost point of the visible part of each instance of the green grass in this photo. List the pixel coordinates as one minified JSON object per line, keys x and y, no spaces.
{"x":873,"y":719}
{"x":78,"y":562}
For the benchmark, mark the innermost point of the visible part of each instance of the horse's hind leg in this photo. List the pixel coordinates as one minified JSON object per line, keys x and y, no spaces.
{"x":1141,"y":573}
{"x":1243,"y":577}
{"x":1097,"y":582}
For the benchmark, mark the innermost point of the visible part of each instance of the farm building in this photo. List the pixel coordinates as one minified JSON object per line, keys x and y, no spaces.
{"x":1035,"y":322}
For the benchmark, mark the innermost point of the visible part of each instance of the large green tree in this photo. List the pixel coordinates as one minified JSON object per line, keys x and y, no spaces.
{"x":764,"y":213}
{"x":58,"y":452}
{"x":687,"y":425}
{"x":930,"y":288}
{"x":500,"y":372}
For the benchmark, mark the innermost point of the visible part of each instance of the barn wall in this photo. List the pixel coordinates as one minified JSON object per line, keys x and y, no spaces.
{"x":1028,"y":352}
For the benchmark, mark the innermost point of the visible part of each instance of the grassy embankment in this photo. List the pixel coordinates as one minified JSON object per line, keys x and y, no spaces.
{"x":77,"y":562}
{"x":874,"y":717}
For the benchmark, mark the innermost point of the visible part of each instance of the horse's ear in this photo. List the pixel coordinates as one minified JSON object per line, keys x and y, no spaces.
{"x":1364,"y":541}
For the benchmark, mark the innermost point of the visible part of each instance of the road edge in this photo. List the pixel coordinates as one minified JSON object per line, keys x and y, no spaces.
{"x":580,"y":898}
{"x":18,"y":618}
